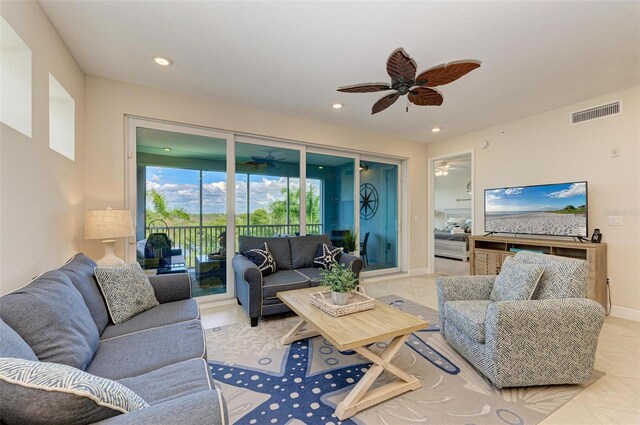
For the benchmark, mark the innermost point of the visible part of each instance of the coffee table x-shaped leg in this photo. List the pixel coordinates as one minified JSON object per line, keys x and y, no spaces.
{"x":361,"y":396}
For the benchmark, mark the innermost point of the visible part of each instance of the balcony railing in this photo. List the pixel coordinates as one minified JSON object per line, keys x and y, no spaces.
{"x":201,"y":240}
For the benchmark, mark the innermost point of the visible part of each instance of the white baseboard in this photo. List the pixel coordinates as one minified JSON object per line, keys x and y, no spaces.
{"x":625,"y":313}
{"x":419,"y":271}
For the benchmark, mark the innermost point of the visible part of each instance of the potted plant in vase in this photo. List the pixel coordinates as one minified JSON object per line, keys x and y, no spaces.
{"x":350,"y":242}
{"x":340,"y":280}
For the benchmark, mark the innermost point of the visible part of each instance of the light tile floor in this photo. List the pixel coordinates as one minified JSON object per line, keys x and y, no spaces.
{"x":613,"y":399}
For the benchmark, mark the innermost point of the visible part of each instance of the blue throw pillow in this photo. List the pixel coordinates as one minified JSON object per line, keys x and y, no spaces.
{"x":263,"y":259}
{"x":327,"y":256}
{"x":516,"y":281}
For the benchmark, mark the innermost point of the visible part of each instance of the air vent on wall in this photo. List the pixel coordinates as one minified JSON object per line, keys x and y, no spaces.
{"x":597,"y":112}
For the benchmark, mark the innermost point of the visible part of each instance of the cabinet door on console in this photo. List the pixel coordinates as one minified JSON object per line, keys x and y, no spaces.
{"x":487,"y":262}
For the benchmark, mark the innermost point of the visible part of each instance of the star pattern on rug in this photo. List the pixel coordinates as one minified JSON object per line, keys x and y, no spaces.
{"x":328,"y":257}
{"x":294,"y":393}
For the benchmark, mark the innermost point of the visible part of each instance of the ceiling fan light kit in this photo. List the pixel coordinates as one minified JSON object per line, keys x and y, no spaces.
{"x":402,"y":70}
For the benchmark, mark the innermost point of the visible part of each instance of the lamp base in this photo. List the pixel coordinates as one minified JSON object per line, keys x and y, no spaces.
{"x":109,"y":258}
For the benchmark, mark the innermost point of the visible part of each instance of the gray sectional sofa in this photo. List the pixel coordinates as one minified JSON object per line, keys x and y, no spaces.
{"x":294,"y":258}
{"x":160,"y":354}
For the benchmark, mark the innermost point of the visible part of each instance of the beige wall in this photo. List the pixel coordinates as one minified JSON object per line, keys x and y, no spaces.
{"x":446,"y":192}
{"x":545,"y":149}
{"x":41,"y":191}
{"x":108,"y":101}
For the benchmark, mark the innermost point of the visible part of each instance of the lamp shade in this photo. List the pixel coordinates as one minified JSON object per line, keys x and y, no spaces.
{"x":108,"y":224}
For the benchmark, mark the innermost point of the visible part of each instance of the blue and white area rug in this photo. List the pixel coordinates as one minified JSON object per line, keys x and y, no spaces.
{"x":266,"y":383}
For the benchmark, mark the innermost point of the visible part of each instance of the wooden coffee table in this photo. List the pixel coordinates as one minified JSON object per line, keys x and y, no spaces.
{"x":354,"y":332}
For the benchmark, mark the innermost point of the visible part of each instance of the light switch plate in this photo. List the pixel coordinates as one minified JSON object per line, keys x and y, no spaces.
{"x":615,"y":220}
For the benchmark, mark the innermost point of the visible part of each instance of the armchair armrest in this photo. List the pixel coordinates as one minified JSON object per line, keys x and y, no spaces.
{"x":171,"y":287}
{"x":460,"y":288}
{"x":352,"y":261}
{"x":556,"y":339}
{"x":201,"y":408}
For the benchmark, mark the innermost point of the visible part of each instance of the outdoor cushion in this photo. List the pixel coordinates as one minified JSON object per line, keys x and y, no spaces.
{"x":126,"y":290}
{"x":11,"y":345}
{"x":312,"y":273}
{"x":51,"y":316}
{"x":80,"y":271}
{"x":516,"y":281}
{"x":144,"y":351}
{"x":262,"y":258}
{"x":303,"y":249}
{"x":468,"y":316}
{"x":51,"y":393}
{"x":283,"y":280}
{"x":162,"y":315}
{"x":279,"y":248}
{"x":562,"y":278}
{"x":170,"y":382}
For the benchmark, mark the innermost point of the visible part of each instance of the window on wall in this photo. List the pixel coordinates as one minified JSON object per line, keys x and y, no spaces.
{"x":15,"y":80}
{"x":62,"y":120}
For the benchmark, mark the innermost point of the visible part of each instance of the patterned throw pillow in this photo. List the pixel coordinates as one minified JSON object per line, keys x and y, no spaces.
{"x":127,"y":291}
{"x":516,"y":281}
{"x":51,"y":393}
{"x":263,"y":259}
{"x":326,"y":256}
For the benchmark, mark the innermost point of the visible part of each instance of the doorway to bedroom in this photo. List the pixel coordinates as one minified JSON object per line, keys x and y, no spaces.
{"x":452,"y":214}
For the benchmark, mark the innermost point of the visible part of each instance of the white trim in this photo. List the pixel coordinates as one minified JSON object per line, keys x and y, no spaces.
{"x":382,"y":278}
{"x":419,"y":271}
{"x":431,"y":250}
{"x":625,"y":313}
{"x":150,"y":329}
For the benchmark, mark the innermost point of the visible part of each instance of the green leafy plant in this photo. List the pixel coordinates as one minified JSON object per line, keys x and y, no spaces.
{"x":350,"y":241}
{"x":339,"y":278}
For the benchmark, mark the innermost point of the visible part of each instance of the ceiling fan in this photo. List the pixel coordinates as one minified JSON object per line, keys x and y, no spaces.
{"x":443,"y":168}
{"x":269,"y":160}
{"x":402,"y":70}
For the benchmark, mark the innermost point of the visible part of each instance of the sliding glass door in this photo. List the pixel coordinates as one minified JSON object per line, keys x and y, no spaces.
{"x":181,"y":205}
{"x":379,"y":195}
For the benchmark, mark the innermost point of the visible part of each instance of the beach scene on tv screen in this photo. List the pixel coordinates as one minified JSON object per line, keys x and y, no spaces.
{"x":556,"y":209}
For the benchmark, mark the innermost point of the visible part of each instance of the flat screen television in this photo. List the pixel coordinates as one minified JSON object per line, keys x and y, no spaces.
{"x":549,"y":209}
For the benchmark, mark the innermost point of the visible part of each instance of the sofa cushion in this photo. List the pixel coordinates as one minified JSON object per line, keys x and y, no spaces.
{"x":144,"y":351}
{"x":11,"y":345}
{"x":283,"y":280}
{"x":516,"y":281}
{"x":468,"y":316}
{"x":126,"y":290}
{"x":51,"y":316}
{"x":80,"y":271}
{"x":327,"y":256}
{"x":312,"y":273}
{"x":279,"y":248}
{"x":171,"y":382}
{"x":262,"y":258}
{"x":162,"y":315}
{"x":303,"y":249}
{"x":51,"y":393}
{"x":562,"y":278}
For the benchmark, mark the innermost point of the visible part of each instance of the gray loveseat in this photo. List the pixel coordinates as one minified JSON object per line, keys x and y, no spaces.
{"x":160,"y":354}
{"x":294,"y":258}
{"x":549,"y":339}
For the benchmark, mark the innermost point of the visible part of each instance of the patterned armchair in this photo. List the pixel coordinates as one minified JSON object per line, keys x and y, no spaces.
{"x":550,"y":339}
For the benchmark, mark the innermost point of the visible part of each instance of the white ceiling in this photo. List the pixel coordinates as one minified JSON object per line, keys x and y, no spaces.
{"x":289,"y":57}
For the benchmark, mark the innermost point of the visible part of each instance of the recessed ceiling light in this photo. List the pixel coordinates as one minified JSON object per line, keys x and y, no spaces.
{"x":336,"y":105}
{"x":320,"y":167}
{"x":161,"y":60}
{"x":166,"y":149}
{"x":435,"y":129}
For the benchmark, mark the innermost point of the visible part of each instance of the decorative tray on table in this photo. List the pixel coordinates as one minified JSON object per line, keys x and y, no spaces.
{"x":358,"y":301}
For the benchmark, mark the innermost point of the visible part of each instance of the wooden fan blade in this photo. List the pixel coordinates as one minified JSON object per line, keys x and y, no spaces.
{"x":445,"y":74}
{"x":400,"y":65}
{"x":365,"y":88}
{"x":385,"y":102}
{"x":425,"y":97}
